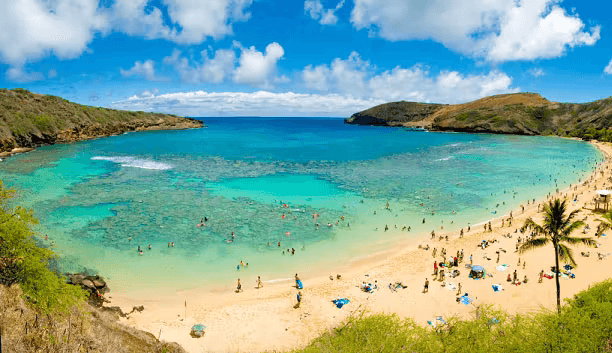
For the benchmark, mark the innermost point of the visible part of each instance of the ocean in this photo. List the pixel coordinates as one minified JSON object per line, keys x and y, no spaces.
{"x":314,"y":185}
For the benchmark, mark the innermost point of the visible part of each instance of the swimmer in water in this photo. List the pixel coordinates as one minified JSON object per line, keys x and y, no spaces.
{"x":149,"y":246}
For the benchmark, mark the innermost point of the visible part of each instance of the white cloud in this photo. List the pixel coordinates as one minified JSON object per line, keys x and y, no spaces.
{"x":213,"y":70}
{"x":499,"y":30}
{"x":256,"y":68}
{"x":260,"y":103}
{"x":536,"y":72}
{"x":357,"y":78}
{"x":608,"y":69}
{"x":193,"y":20}
{"x":145,"y":69}
{"x":314,"y":9}
{"x":52,"y":73}
{"x":17,"y":74}
{"x":32,"y":29}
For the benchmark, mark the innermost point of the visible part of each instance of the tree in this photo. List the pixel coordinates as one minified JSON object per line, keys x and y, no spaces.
{"x":24,"y":263}
{"x":556,"y":229}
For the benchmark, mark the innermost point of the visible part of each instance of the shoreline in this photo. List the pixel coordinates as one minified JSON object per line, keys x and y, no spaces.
{"x":245,"y":320}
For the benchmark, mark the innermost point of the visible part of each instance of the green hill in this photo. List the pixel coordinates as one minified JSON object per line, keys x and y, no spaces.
{"x":28,"y":120}
{"x":520,"y":113}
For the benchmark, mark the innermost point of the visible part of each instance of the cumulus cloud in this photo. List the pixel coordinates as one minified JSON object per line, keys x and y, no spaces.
{"x":608,"y":68}
{"x":33,"y":29}
{"x":358,"y":78}
{"x":211,"y":70}
{"x":316,"y":11}
{"x":262,"y":103}
{"x":500,"y":30}
{"x":145,"y":69}
{"x":257,"y":68}
{"x":536,"y":72}
{"x":30,"y":29}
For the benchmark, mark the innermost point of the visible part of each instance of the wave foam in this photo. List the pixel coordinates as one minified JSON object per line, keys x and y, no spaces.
{"x":134,"y":162}
{"x":444,"y":159}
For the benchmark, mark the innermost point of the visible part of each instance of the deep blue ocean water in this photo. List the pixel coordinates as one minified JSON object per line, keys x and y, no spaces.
{"x":264,"y":179}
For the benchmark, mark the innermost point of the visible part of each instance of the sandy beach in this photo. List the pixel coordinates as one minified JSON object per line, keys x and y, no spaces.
{"x":265,"y":319}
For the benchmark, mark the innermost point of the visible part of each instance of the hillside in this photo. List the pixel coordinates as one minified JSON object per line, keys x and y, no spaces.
{"x":520,"y":113}
{"x":28,"y":120}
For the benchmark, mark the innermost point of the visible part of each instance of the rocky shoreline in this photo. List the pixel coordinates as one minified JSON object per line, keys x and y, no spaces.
{"x":27,"y":142}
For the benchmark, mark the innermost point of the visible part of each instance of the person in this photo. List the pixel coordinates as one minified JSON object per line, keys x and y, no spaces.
{"x":139,"y":249}
{"x":509,"y":279}
{"x":292,"y":251}
{"x":470,"y":259}
{"x":140,"y":252}
{"x":541,"y":276}
{"x":435,"y":268}
{"x":172,"y":244}
{"x":459,"y":289}
{"x":525,"y":279}
{"x":238,"y":287}
{"x":434,"y":252}
{"x":299,"y":299}
{"x":241,"y":263}
{"x":149,"y":247}
{"x":426,"y":286}
{"x":259,"y":285}
{"x":514,"y":277}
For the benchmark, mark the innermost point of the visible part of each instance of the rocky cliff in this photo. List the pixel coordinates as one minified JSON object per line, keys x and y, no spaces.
{"x":28,"y":120}
{"x":520,"y":113}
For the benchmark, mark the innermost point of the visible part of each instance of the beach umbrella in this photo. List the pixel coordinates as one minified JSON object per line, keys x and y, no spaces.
{"x":604,"y":192}
{"x":477,"y":268}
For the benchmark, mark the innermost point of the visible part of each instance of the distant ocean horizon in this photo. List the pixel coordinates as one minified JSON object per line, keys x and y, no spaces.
{"x":312,"y":184}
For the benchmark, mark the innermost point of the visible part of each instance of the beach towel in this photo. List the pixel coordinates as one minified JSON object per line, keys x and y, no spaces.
{"x":502,"y":267}
{"x":451,"y":286}
{"x":340,"y":302}
{"x":298,"y":284}
{"x":438,"y":321}
{"x":497,"y":287}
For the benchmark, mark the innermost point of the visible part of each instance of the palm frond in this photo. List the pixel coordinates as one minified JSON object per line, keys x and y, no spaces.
{"x":534,"y":243}
{"x":566,"y":255}
{"x":584,"y":241}
{"x":602,"y":227}
{"x":536,"y":228}
{"x":567,"y":230}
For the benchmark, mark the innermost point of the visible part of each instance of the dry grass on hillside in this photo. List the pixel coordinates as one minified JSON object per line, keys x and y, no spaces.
{"x":83,"y":330}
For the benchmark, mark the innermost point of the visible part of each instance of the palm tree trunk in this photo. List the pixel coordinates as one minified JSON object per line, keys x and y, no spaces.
{"x":557,"y":277}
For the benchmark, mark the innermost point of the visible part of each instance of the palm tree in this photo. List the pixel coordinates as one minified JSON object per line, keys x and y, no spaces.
{"x":556,"y":228}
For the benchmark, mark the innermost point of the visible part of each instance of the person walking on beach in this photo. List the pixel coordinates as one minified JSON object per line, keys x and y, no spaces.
{"x":259,"y":285}
{"x":299,"y":299}
{"x":541,"y":276}
{"x":514,"y":277}
{"x":435,"y":269}
{"x":426,"y":286}
{"x":459,"y":289}
{"x":470,"y":259}
{"x":434,"y":252}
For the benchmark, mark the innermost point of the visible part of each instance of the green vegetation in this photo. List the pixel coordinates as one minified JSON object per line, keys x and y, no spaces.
{"x":24,"y":263}
{"x":556,"y":229}
{"x":583,"y":325}
{"x":28,"y":119}
{"x":54,"y":317}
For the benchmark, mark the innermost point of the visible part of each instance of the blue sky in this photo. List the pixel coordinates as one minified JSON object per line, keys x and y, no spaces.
{"x":303,"y":58}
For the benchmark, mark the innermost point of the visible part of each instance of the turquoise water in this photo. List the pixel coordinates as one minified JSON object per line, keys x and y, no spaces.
{"x":266,"y":179}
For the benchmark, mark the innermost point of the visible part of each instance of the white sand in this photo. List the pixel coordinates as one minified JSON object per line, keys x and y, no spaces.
{"x":264,"y":319}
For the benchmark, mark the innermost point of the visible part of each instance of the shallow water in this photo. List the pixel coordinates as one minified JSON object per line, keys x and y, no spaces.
{"x":264,"y":179}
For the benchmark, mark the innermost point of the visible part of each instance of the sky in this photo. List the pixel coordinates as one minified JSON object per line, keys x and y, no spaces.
{"x":303,"y":57}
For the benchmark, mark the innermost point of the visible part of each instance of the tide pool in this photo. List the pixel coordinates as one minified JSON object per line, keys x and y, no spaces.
{"x":313,"y":184}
